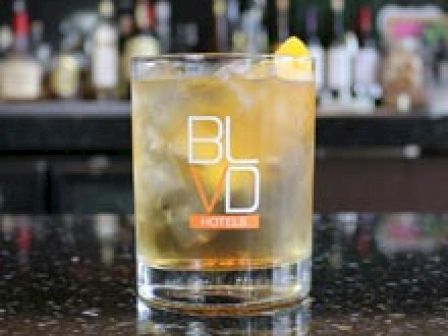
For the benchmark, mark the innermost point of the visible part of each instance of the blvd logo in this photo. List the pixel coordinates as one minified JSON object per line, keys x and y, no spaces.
{"x":235,"y":217}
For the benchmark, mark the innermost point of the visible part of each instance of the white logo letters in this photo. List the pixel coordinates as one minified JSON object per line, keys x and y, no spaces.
{"x":235,"y":165}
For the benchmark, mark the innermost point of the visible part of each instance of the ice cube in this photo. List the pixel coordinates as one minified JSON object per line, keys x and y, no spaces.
{"x":177,"y":208}
{"x":159,"y":103}
{"x":169,"y":192}
{"x":238,"y":67}
{"x":167,"y":106}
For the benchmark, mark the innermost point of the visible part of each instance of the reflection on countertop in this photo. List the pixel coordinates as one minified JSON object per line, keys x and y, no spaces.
{"x":295,"y":320}
{"x":372,"y":275}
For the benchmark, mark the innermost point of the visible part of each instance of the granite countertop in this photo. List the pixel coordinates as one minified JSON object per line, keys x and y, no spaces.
{"x":372,"y":275}
{"x":105,"y":126}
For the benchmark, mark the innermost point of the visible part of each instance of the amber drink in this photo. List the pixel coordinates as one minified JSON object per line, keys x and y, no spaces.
{"x":223,"y":151}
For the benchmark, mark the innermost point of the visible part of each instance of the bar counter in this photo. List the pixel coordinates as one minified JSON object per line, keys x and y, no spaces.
{"x":372,"y":275}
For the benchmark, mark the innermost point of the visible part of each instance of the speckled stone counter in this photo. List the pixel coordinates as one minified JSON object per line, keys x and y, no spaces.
{"x":373,"y":275}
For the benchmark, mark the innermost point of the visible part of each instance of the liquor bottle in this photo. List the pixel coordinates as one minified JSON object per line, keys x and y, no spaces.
{"x":66,"y":73}
{"x":21,"y":73}
{"x":438,"y":85}
{"x":233,"y":17}
{"x":125,"y":22}
{"x":339,"y":68}
{"x":282,"y":7}
{"x":237,"y":36}
{"x":6,"y":40}
{"x":255,"y":37}
{"x":221,"y":25}
{"x":105,"y":53}
{"x":42,"y":52}
{"x":403,"y":75}
{"x":37,"y":35}
{"x":367,"y":61}
{"x":145,"y":41}
{"x":5,"y":46}
{"x":126,"y":26}
{"x":163,"y":18}
{"x":315,"y":46}
{"x":261,"y":33}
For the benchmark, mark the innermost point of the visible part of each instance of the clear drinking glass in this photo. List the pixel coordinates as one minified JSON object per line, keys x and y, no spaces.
{"x":223,"y":151}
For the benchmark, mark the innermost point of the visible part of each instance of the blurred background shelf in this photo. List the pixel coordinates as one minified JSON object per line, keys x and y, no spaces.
{"x":72,"y":108}
{"x":92,"y":126}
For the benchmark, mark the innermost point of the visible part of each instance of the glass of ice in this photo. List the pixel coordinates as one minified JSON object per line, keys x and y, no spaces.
{"x":223,"y":157}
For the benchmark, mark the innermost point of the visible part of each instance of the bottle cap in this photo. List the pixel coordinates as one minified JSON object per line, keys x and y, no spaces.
{"x":337,"y":5}
{"x":21,"y":24}
{"x":141,"y":18}
{"x":219,"y":7}
{"x":365,"y":19}
{"x":311,"y":20}
{"x":106,"y":8}
{"x":150,"y":12}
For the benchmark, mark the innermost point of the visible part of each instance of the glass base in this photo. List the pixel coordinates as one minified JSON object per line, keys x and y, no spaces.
{"x":224,"y":292}
{"x":292,"y":320}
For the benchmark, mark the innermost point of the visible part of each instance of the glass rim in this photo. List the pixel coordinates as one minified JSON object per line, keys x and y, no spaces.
{"x":217,"y":56}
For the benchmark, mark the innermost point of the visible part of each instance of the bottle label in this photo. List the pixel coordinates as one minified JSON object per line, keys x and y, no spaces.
{"x":66,"y":76}
{"x":339,"y":69}
{"x":21,"y":80}
{"x":366,"y":67}
{"x":105,"y":66}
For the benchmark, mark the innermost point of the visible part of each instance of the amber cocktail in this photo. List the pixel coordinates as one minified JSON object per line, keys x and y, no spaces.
{"x":223,"y":150}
